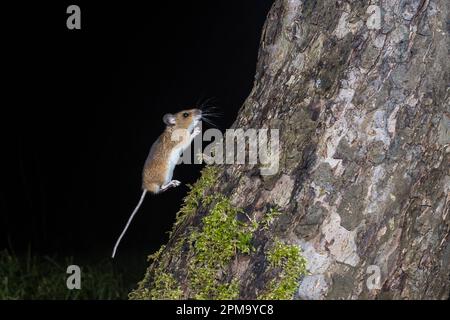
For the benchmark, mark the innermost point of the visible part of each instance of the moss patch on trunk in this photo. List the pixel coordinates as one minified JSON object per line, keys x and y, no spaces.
{"x":210,"y":248}
{"x":291,"y":266}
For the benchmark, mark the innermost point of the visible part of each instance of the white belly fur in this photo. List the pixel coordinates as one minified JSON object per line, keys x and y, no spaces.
{"x":173,"y":160}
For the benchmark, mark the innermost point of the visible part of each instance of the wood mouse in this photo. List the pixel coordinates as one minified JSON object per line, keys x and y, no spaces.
{"x":181,"y":129}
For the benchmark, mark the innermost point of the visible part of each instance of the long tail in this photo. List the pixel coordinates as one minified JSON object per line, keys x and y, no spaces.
{"x":128,"y":223}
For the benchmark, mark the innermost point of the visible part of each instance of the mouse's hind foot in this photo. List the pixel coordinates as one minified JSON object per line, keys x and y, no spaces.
{"x":171,"y":184}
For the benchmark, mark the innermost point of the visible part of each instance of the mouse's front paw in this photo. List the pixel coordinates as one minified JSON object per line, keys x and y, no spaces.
{"x":196,"y":131}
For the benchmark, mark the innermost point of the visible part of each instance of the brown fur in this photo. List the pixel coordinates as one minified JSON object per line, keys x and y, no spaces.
{"x":157,"y":164}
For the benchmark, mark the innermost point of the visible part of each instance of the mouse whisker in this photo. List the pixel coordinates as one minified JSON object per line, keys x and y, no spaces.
{"x":209,"y":122}
{"x":206,"y":103}
{"x":210,"y":108}
{"x":208,"y":114}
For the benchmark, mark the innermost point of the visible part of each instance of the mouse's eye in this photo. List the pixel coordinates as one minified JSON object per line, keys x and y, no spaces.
{"x":185,"y":114}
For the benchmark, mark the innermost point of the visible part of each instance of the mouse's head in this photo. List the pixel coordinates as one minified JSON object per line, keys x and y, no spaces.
{"x":185,"y":119}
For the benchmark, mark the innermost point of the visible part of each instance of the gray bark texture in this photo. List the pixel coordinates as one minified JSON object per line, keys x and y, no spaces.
{"x":362,"y":105}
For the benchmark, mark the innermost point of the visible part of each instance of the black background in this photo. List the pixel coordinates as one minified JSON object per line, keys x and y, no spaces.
{"x":82,"y":108}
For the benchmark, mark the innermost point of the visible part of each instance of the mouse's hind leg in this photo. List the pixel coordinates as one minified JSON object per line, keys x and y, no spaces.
{"x":171,"y":184}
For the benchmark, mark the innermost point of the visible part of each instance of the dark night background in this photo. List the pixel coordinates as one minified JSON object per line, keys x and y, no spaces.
{"x":86,"y":105}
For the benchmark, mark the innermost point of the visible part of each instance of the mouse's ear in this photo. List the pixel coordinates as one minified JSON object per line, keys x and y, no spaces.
{"x":169,"y":119}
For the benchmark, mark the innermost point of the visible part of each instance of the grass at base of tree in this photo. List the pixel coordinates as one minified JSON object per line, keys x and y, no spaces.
{"x":32,"y":277}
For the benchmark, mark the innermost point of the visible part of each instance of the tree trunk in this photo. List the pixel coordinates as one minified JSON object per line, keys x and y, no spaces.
{"x":359,"y":94}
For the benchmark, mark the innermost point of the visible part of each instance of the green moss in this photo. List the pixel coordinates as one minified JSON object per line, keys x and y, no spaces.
{"x":164,"y":286}
{"x":196,"y":193}
{"x":292,"y":266}
{"x":156,"y":255}
{"x":210,"y":248}
{"x":220,"y":239}
{"x":228,"y":291}
{"x":269,"y":218}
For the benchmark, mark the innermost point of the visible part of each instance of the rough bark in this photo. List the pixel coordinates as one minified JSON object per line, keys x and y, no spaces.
{"x":363,"y":113}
